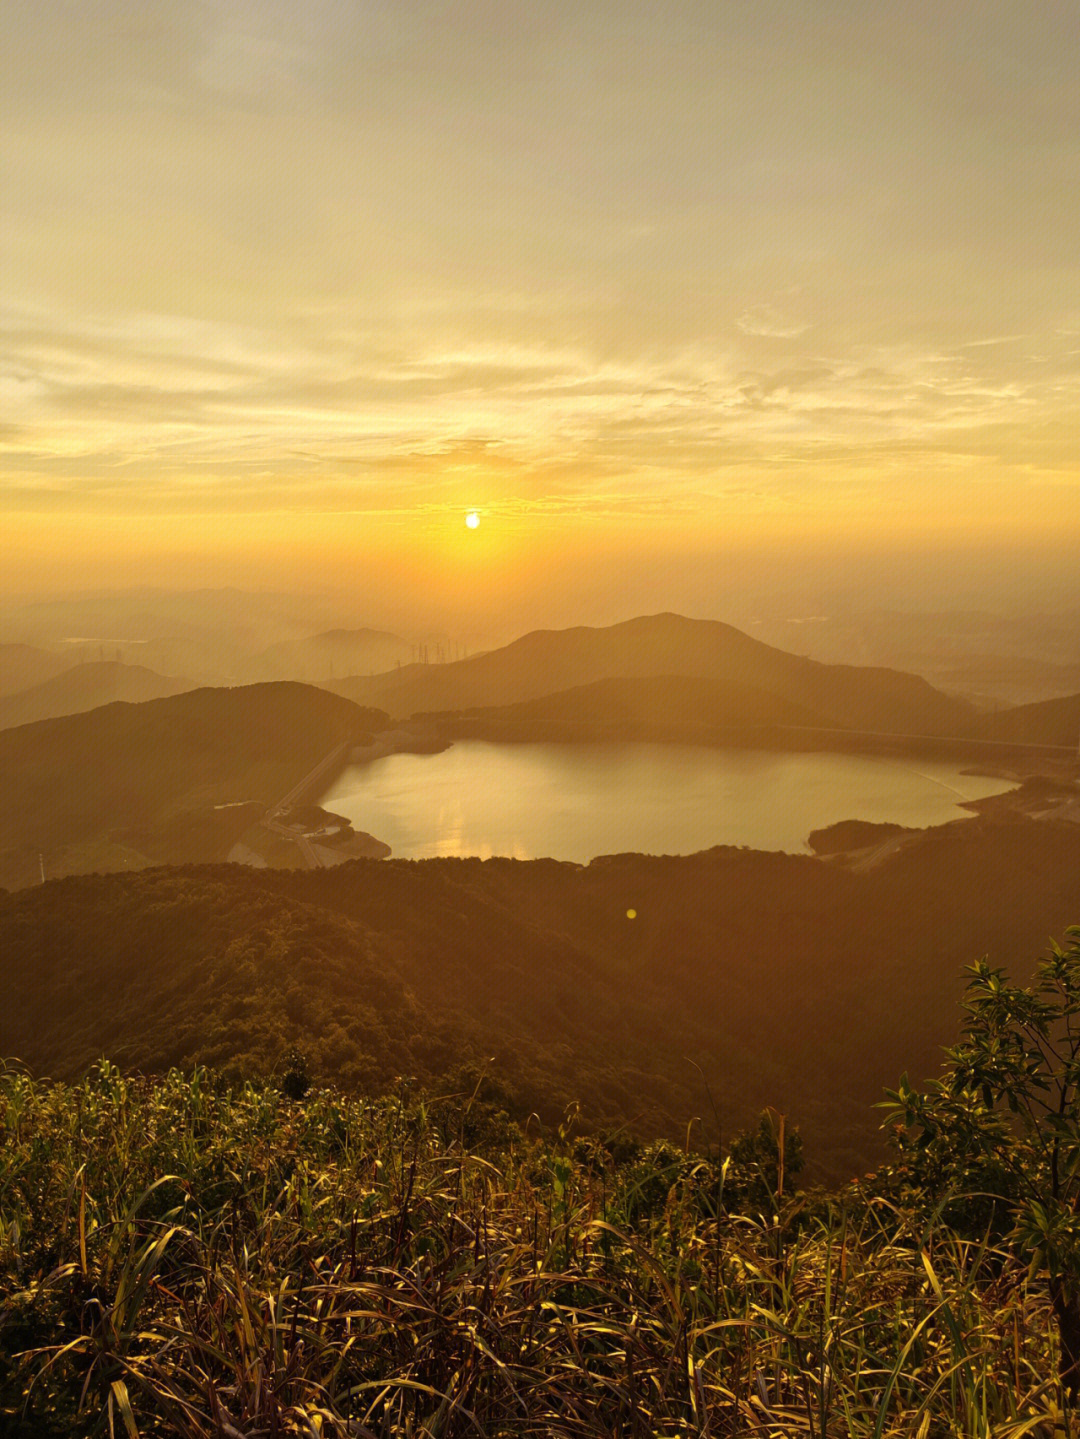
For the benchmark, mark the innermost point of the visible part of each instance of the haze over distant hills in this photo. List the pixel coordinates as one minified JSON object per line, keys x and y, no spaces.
{"x":207,"y":634}
{"x":550,"y":661}
{"x":86,"y":687}
{"x":145,"y":613}
{"x":334,"y":652}
{"x":995,"y":658}
{"x":22,"y":666}
{"x":216,"y":636}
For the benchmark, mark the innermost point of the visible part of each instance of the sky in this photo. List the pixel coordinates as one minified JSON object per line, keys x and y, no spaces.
{"x":671,"y":295}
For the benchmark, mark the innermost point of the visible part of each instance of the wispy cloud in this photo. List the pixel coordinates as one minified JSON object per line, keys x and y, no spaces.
{"x":768,"y":321}
{"x":101,"y":408}
{"x":572,"y":261}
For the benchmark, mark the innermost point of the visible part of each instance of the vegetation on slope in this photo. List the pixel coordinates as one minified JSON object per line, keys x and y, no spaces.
{"x":678,"y":708}
{"x":773,"y":978}
{"x":1049,"y":722}
{"x":127,"y":772}
{"x":179,"y":1258}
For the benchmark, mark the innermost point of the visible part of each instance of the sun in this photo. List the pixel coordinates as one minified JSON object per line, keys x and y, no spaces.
{"x":472,"y":519}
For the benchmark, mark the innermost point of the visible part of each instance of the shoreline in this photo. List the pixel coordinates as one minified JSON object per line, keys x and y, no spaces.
{"x":1029,"y":790}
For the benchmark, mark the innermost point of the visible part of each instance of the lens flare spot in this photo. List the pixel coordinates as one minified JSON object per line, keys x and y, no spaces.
{"x":631,"y":914}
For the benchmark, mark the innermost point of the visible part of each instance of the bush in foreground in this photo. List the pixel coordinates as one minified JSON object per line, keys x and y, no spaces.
{"x":182,"y":1260}
{"x":1004,"y":1121}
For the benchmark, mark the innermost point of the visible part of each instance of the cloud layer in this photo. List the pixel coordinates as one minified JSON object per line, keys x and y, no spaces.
{"x":682,"y":266}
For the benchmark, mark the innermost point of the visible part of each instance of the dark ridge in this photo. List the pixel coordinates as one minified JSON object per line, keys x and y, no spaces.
{"x":126,"y":766}
{"x":786,"y":980}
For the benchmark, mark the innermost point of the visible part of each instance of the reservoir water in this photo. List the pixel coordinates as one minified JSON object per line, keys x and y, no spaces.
{"x":574,"y":802}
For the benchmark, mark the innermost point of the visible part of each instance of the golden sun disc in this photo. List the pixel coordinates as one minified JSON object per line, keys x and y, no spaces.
{"x":472,"y":520}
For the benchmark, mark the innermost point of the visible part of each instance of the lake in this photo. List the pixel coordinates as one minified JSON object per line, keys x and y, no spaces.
{"x":574,"y":802}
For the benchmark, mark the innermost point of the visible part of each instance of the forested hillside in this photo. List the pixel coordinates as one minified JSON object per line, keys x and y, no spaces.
{"x":772,"y":978}
{"x":154,"y":775}
{"x":664,"y":707}
{"x":1049,"y":722}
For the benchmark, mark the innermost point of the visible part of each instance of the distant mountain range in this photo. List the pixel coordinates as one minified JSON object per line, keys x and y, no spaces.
{"x":660,"y":675}
{"x":551,"y":661}
{"x":86,"y":687}
{"x":208,"y":635}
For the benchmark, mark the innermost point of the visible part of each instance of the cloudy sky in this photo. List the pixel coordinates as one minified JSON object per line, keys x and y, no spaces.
{"x":286,"y":289}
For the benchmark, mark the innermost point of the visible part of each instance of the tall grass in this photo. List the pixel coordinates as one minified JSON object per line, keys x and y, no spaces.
{"x":177,"y":1259}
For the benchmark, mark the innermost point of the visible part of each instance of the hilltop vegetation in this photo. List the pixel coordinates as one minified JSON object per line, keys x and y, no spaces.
{"x":150,"y":775}
{"x":178,"y":1258}
{"x":772,"y":978}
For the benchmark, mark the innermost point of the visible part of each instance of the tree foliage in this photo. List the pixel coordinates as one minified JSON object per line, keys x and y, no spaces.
{"x":1001,"y":1127}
